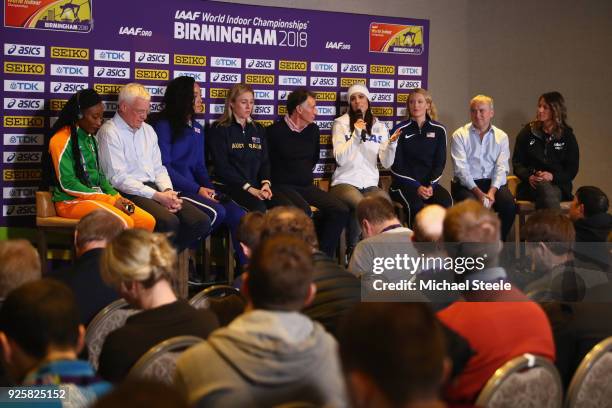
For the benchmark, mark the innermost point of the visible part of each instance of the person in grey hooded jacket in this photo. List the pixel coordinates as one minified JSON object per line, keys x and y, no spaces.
{"x":272,"y":354}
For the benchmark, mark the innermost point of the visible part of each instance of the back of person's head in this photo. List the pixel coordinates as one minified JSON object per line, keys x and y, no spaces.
{"x":289,"y":221}
{"x":552,"y":228}
{"x":41,"y":314}
{"x":470,"y":230}
{"x":405,"y":359}
{"x":19,"y":263}
{"x":429,"y":224}
{"x":249,"y":229}
{"x":375,"y":208}
{"x":227,"y":308}
{"x":594,"y":200}
{"x":142,"y":394}
{"x":137,"y":255}
{"x":280,"y":274}
{"x":98,"y":225}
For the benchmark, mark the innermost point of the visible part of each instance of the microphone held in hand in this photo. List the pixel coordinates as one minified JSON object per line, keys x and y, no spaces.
{"x":363,"y":131}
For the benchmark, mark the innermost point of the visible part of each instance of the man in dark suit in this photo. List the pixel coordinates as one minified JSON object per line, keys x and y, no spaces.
{"x":92,"y":234}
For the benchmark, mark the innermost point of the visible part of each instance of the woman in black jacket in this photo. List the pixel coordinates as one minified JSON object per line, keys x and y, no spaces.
{"x":546,"y":155}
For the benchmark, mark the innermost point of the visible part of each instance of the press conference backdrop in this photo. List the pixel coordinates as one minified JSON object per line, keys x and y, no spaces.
{"x":52,"y":49}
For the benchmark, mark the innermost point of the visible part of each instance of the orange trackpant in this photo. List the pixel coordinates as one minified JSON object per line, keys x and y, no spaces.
{"x":78,"y":208}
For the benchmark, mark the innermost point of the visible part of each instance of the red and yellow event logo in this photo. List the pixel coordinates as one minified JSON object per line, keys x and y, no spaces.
{"x":59,"y":15}
{"x":396,"y":38}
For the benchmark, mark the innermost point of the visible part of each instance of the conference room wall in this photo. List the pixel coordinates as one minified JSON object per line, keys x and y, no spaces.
{"x":513,"y":51}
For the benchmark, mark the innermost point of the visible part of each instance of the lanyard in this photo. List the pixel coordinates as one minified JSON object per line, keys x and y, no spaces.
{"x":391,"y":227}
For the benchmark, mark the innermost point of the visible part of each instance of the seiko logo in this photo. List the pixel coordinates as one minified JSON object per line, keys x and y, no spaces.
{"x":409,"y":71}
{"x":260,"y":63}
{"x":107,"y":89}
{"x":67,"y":87}
{"x":151,"y":58}
{"x":381,"y":97}
{"x":24,"y":121}
{"x":325,"y":96}
{"x":354,"y":68}
{"x":347,"y":82}
{"x":220,"y":93}
{"x":24,"y":68}
{"x":154,"y":74}
{"x":217,"y":108}
{"x":23,"y":104}
{"x":194,"y":60}
{"x":18,"y":210}
{"x":326,"y":110}
{"x":292,"y":65}
{"x":382,"y":111}
{"x":408,"y":84}
{"x":324,"y":81}
{"x":22,"y":157}
{"x":382,"y":83}
{"x":70,"y":53}
{"x":112,"y":72}
{"x":12,"y":139}
{"x":263,"y":110}
{"x":264,"y":94}
{"x":259,"y":79}
{"x":226,"y":62}
{"x":69,"y":70}
{"x":292,"y":80}
{"x":23,"y":50}
{"x":197,"y":75}
{"x":382,"y":69}
{"x":57,"y":104}
{"x":324,"y":66}
{"x":155,"y":90}
{"x":112,"y":55}
{"x":19,"y":192}
{"x":225,"y":78}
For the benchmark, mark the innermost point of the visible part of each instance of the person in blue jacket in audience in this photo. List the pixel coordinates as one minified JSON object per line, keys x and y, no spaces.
{"x":181,"y":142}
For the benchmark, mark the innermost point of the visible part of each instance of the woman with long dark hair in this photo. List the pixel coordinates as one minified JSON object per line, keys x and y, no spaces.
{"x":546,"y":155}
{"x":181,"y":142}
{"x":80,"y":185}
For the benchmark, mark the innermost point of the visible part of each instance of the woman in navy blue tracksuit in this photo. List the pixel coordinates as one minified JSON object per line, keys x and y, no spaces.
{"x":420,"y":157}
{"x":181,"y":142}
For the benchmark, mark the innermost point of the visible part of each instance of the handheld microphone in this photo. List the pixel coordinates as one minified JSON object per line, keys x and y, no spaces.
{"x":363,"y":132}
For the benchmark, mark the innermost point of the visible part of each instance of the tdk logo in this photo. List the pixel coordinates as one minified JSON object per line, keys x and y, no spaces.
{"x":70,"y":70}
{"x":226,"y":62}
{"x":264,"y":94}
{"x":112,"y":72}
{"x":19,"y":192}
{"x":354,"y":68}
{"x":225,"y":78}
{"x":67,"y":87}
{"x":23,"y":104}
{"x":111,"y":55}
{"x":408,"y":84}
{"x":324,"y":66}
{"x":110,"y":106}
{"x":260,"y":63}
{"x":324,"y":81}
{"x":292,"y":80}
{"x":197,"y":75}
{"x":23,"y":86}
{"x":326,"y":110}
{"x":155,"y":90}
{"x":324,"y":124}
{"x":15,"y":139}
{"x":401,"y":111}
{"x":22,"y":50}
{"x":263,"y":110}
{"x":409,"y":71}
{"x":283,"y":95}
{"x":381,"y":97}
{"x":382,"y":83}
{"x":216,"y":108}
{"x":151,"y":58}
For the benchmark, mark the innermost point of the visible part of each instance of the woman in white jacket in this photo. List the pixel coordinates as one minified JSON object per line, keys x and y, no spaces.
{"x":359,"y":140}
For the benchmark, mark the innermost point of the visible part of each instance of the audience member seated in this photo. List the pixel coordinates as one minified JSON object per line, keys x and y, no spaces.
{"x":140,"y":265}
{"x":130,"y":157}
{"x":504,"y":327}
{"x":41,"y":337}
{"x":19,"y":263}
{"x":404,"y":366}
{"x":549,"y":238}
{"x":593,"y":223}
{"x":337,"y":289}
{"x":420,"y":157}
{"x":249,"y":231}
{"x":272,"y":354}
{"x":294,"y":144}
{"x":181,"y":142}
{"x":546,"y":155}
{"x":142,"y":393}
{"x":480,"y":154}
{"x":93,"y":232}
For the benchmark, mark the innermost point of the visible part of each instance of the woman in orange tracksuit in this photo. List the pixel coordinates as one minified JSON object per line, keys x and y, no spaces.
{"x":80,"y":186}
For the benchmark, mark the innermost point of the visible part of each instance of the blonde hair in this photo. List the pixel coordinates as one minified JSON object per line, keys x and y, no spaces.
{"x":431,"y":110}
{"x":482,"y":99}
{"x":132,"y":91}
{"x":138,"y":255}
{"x":235,"y":92}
